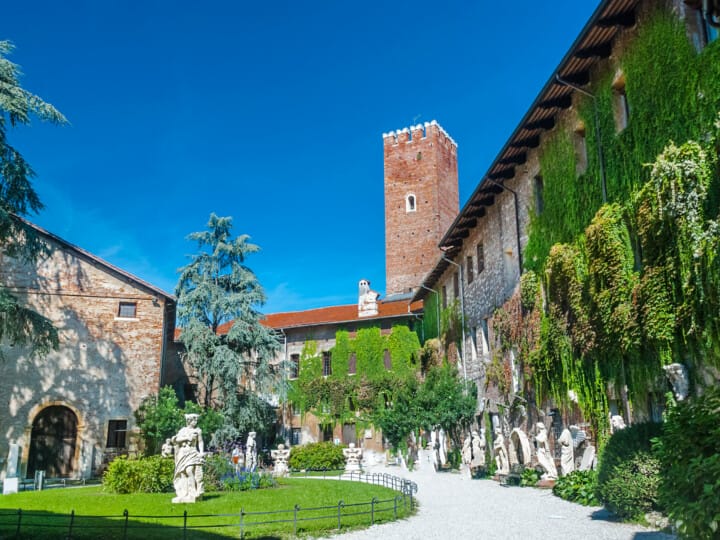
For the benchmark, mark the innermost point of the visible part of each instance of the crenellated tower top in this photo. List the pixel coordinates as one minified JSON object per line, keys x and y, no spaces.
{"x":421,"y":201}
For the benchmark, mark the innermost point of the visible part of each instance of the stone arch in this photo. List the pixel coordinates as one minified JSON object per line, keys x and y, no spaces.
{"x":521,"y":445}
{"x":54,"y":440}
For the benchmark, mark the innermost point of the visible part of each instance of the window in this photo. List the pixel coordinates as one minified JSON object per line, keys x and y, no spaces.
{"x":580,"y":148}
{"x":387,"y":360}
{"x":326,"y":433}
{"x":127,"y":310}
{"x":469,"y":270}
{"x":410,"y":203}
{"x":327,"y":363}
{"x":294,"y":366}
{"x":116,"y":433}
{"x":539,"y":200}
{"x":456,"y":285}
{"x":480,"y":258}
{"x":352,"y":364}
{"x":444,"y":296}
{"x":621,"y":109}
{"x":295,"y":436}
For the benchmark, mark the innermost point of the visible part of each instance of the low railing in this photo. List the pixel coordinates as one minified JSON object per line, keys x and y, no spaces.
{"x":15,"y":522}
{"x":404,"y":486}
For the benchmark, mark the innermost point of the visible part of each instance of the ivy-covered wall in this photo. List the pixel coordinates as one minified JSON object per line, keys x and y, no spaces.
{"x":673,"y":94}
{"x":342,"y":397}
{"x":626,"y":287}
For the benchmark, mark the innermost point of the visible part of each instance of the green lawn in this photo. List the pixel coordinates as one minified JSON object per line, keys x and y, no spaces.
{"x":99,"y":514}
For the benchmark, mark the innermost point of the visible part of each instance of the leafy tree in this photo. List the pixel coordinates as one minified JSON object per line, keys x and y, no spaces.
{"x":160,"y":416}
{"x":445,"y":401}
{"x":18,"y":324}
{"x":402,"y":417}
{"x":217,"y":289}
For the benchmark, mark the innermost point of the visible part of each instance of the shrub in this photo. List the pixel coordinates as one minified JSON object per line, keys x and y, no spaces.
{"x":215,"y":469}
{"x":145,"y":475}
{"x":629,"y":473}
{"x":689,"y":453}
{"x":317,"y":456}
{"x":530,"y":477}
{"x":578,"y":487}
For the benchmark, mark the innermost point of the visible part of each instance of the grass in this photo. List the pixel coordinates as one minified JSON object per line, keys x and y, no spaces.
{"x":99,"y":514}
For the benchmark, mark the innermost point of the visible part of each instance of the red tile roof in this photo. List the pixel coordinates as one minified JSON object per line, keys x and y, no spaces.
{"x":329,"y":315}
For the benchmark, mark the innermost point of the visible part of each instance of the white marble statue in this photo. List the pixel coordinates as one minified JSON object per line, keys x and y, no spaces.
{"x":353,"y":455}
{"x":567,"y":454}
{"x":501,"y":456}
{"x":617,"y":423}
{"x":545,"y":459}
{"x":478,"y":449}
{"x":588,"y":458}
{"x":467,"y":451}
{"x":251,"y":452}
{"x":677,"y":374}
{"x":189,"y":450}
{"x":167,"y":449}
{"x":280,"y":460}
{"x":367,"y":299}
{"x":442,"y":449}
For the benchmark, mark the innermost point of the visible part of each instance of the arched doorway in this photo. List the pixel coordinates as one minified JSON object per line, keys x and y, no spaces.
{"x":52,"y":442}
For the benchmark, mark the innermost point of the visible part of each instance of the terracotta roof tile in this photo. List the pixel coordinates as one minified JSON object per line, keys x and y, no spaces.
{"x":328,"y":315}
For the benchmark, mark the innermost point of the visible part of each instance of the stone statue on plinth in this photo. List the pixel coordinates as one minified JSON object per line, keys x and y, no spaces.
{"x":251,"y":452}
{"x":567,"y":453}
{"x":280,"y":460}
{"x":501,"y":456}
{"x":189,"y":449}
{"x":353,"y":456}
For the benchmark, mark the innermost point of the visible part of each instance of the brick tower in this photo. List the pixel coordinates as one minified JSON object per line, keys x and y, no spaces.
{"x":421,"y":201}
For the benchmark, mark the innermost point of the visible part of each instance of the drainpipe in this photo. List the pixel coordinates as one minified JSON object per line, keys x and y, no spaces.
{"x":601,"y":160}
{"x":517,"y":222}
{"x":437,"y":305}
{"x":462,"y":315}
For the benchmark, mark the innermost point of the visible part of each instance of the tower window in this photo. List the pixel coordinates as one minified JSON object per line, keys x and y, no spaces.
{"x":410,"y":203}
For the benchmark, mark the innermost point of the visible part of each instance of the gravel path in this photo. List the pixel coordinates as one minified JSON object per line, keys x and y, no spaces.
{"x":453,"y":506}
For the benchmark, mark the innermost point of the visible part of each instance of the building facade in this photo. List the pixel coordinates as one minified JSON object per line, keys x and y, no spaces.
{"x":609,"y":73}
{"x":72,"y":409}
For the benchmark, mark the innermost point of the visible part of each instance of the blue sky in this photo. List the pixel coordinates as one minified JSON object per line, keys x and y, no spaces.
{"x":270,"y":112}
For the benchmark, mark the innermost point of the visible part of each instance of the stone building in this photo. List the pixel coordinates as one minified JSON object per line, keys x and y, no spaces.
{"x":483,"y":247}
{"x":72,"y":409}
{"x":321,"y":326}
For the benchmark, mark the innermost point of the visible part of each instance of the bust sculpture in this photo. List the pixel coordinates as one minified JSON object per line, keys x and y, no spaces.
{"x":352,"y":458}
{"x":280,"y":460}
{"x":189,"y":449}
{"x":545,"y":459}
{"x":251,"y":452}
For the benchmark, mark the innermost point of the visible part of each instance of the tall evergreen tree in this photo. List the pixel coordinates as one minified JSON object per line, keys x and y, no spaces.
{"x":217,"y":288}
{"x":20,"y":325}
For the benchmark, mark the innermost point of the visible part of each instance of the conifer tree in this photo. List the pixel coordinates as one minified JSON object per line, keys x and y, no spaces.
{"x":20,"y":325}
{"x":218,"y":289}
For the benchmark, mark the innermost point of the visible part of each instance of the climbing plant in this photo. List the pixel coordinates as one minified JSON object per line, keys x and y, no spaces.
{"x":345,"y":397}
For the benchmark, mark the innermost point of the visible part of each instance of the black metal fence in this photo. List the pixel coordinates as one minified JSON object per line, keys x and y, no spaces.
{"x":17,"y":522}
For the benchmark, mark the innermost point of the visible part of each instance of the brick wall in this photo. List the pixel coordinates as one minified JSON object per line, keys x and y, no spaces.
{"x":421,"y":161}
{"x":105,"y":365}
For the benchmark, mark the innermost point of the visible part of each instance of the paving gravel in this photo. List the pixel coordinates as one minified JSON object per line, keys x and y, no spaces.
{"x":456,"y":507}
